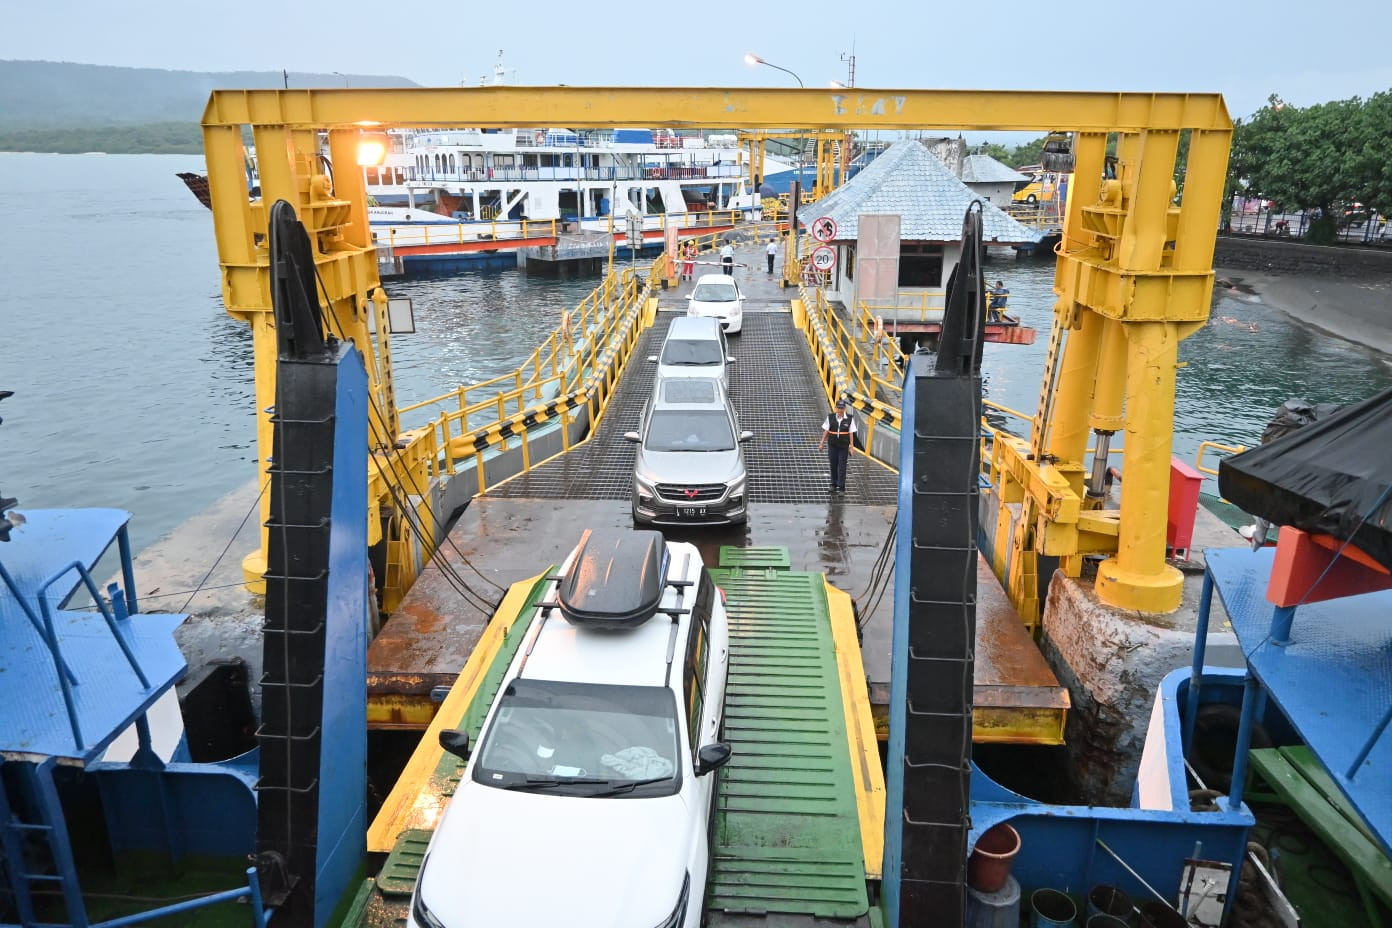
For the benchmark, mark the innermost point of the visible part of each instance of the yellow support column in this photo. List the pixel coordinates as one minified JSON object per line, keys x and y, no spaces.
{"x":1138,"y":577}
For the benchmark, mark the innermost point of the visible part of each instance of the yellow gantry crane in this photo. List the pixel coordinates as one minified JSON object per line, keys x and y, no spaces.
{"x":1134,"y":276}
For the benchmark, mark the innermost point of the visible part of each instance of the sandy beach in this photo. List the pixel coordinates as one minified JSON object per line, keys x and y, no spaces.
{"x":1354,"y":308}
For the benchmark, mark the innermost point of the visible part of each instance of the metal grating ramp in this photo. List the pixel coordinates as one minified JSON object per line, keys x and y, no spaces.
{"x":787,"y":835}
{"x":777,"y":396}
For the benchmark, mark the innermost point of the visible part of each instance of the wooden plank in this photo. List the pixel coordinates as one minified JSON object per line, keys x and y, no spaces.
{"x":1362,"y":856}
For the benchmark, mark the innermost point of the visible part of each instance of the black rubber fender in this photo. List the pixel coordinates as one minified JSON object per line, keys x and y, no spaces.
{"x":1215,"y":741}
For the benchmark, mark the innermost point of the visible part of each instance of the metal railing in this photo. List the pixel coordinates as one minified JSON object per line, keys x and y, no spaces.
{"x":922,"y":306}
{"x":1214,"y":446}
{"x":459,"y":233}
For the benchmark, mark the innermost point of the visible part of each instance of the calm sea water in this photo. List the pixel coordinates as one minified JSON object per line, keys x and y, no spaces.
{"x":133,"y":388}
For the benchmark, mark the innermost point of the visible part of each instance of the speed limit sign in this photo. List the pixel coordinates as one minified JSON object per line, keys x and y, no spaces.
{"x":823,"y":258}
{"x":824,"y":229}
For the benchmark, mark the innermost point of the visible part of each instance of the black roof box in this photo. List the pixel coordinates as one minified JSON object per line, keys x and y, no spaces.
{"x":616,"y":579}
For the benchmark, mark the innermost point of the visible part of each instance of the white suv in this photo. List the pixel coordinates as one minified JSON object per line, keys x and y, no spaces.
{"x":588,"y":800}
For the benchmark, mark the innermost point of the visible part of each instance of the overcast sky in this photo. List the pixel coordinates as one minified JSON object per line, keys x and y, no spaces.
{"x":1308,"y":52}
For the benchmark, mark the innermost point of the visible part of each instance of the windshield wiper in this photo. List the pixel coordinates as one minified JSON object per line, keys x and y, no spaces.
{"x":628,"y":786}
{"x":545,"y":782}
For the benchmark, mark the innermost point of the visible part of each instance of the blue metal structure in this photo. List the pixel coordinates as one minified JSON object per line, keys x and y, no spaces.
{"x":1326,"y":665}
{"x":71,"y":681}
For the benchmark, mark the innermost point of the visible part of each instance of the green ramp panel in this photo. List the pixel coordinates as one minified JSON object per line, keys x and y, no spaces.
{"x":787,"y":832}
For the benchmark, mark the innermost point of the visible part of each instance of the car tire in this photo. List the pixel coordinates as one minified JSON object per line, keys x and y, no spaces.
{"x":1032,"y":200}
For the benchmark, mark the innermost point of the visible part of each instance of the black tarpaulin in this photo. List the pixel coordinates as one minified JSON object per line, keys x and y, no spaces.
{"x":1333,"y":477}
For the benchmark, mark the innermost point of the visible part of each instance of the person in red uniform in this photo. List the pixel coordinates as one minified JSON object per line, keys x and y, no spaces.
{"x":838,"y":431}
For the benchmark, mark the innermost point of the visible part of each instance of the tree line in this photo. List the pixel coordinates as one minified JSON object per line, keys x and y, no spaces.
{"x":1331,"y":158}
{"x":159,"y":138}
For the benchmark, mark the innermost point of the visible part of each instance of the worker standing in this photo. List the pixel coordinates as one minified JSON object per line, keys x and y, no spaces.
{"x":727,"y":259}
{"x":838,"y":431}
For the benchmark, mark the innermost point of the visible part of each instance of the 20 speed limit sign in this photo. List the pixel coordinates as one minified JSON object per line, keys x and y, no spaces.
{"x":824,"y":229}
{"x":823,"y":258}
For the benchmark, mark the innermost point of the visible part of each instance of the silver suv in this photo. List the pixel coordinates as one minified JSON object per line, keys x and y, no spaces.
{"x":695,"y":347}
{"x":689,"y":468}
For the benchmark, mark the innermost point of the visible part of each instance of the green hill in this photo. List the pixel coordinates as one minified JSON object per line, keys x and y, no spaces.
{"x":61,"y":106}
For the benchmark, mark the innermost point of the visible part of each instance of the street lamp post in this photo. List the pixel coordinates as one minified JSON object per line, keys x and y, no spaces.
{"x":795,"y":200}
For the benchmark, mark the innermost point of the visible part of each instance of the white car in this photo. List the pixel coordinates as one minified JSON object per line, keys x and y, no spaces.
{"x":588,"y":800}
{"x":718,"y":296}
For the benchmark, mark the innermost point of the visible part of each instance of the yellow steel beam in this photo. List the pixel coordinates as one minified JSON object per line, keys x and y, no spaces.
{"x":1134,"y":277}
{"x":706,"y":107}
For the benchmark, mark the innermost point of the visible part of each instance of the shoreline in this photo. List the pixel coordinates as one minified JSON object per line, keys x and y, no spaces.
{"x":1355,"y":308}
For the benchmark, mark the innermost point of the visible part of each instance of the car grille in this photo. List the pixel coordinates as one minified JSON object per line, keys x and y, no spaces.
{"x":690,"y":493}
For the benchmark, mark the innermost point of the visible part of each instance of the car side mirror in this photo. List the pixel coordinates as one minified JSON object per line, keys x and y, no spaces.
{"x":652,"y":359}
{"x":691,"y":296}
{"x":456,"y":742}
{"x":712,"y":757}
{"x":632,"y":436}
{"x":745,"y":436}
{"x":729,"y":360}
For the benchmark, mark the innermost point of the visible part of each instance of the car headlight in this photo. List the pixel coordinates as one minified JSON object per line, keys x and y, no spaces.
{"x":423,"y":917}
{"x":736,"y":486}
{"x":678,"y":915}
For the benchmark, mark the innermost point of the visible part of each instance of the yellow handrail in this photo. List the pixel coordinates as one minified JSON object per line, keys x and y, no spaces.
{"x":1214,"y":446}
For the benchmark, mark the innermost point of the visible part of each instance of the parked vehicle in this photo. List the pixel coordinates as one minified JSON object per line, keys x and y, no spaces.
{"x":695,"y":347}
{"x":689,"y":467}
{"x":588,"y":799}
{"x":718,"y":296}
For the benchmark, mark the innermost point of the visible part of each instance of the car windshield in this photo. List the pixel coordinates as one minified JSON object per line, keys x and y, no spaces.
{"x":714,"y":293}
{"x":581,"y":739}
{"x":689,"y":430}
{"x":692,"y":351}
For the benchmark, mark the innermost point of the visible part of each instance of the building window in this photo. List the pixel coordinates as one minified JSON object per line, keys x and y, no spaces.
{"x":920,"y":264}
{"x":850,"y":262}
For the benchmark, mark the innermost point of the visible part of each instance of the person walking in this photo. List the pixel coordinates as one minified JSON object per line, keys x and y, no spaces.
{"x":771,"y":253}
{"x":838,"y":431}
{"x":727,"y":259}
{"x":689,"y":262}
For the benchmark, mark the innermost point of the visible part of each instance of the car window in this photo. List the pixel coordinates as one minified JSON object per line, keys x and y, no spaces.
{"x":689,"y":430}
{"x":715,"y":293}
{"x":683,"y":351}
{"x":546,"y":733}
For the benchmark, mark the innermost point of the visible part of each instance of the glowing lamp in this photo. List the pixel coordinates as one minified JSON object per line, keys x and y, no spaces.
{"x":372,"y":149}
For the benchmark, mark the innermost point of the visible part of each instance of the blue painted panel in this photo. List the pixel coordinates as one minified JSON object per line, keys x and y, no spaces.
{"x":106,"y":693}
{"x":342,"y":842}
{"x":204,"y":809}
{"x":1333,"y":680}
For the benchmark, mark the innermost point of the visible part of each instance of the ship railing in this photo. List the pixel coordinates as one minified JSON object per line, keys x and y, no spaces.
{"x":572,"y":373}
{"x":1216,"y":448}
{"x":444,"y":233}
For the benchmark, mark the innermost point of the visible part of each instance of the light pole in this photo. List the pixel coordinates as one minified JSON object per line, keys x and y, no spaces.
{"x":795,"y":199}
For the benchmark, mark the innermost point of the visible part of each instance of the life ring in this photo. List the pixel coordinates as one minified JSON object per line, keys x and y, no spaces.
{"x":1215,"y":742}
{"x":541,"y":136}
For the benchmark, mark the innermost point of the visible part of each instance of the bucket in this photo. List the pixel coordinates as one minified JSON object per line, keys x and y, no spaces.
{"x":1000,"y":909}
{"x":990,"y":861}
{"x":1155,"y":914}
{"x":1051,"y":909}
{"x":1108,"y":900}
{"x":1105,"y":921}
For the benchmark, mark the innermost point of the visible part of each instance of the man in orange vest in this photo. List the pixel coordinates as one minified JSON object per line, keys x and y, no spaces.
{"x":838,"y":431}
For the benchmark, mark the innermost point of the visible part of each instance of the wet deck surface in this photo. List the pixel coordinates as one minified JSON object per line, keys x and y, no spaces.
{"x":533,"y":521}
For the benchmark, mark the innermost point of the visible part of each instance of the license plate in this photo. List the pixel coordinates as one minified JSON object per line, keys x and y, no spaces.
{"x":693,"y":512}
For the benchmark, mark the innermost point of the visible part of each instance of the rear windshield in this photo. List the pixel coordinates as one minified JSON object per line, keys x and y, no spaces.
{"x":714,"y":293}
{"x":692,"y":351}
{"x":688,"y":430}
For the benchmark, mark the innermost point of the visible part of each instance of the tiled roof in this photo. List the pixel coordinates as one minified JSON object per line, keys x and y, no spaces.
{"x":910,"y":181}
{"x":983,"y":169}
